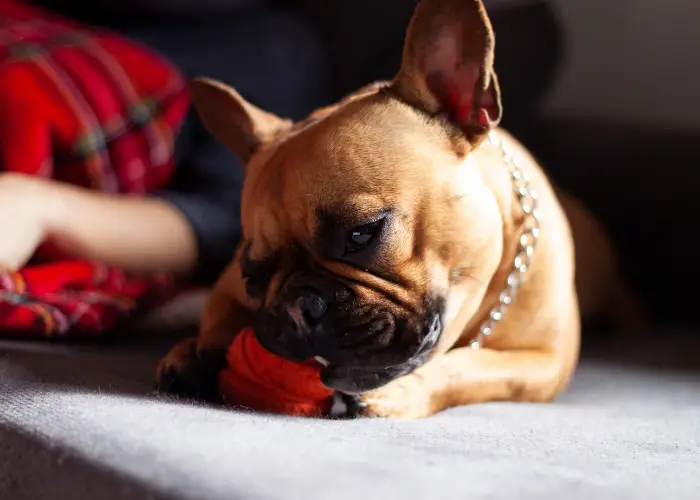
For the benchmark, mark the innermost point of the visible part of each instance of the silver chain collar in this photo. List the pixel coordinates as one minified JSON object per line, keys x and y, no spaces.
{"x":527,"y":199}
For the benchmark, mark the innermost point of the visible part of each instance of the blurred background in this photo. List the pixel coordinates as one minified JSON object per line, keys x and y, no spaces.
{"x":603,"y":91}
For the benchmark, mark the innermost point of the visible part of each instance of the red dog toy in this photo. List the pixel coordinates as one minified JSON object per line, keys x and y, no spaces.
{"x":255,"y":378}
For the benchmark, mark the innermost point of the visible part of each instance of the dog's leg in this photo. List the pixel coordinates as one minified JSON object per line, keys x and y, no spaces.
{"x":190,"y":369}
{"x":467,"y":376}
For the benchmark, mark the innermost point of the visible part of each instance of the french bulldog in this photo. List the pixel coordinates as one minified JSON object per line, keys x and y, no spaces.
{"x":404,"y":240}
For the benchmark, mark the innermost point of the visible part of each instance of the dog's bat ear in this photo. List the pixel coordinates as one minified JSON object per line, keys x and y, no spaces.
{"x":238,"y":124}
{"x":447,"y":65}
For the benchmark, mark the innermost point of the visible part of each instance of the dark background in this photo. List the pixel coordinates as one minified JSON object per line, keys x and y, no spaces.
{"x":598,"y":90}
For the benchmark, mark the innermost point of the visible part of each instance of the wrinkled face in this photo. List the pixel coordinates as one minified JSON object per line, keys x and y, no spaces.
{"x":358,"y":228}
{"x":369,"y":234}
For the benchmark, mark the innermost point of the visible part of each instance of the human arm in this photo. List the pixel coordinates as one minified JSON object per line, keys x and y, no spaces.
{"x":139,"y":234}
{"x":190,"y":228}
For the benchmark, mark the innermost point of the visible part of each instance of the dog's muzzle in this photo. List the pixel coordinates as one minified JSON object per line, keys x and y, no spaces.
{"x":363,"y":345}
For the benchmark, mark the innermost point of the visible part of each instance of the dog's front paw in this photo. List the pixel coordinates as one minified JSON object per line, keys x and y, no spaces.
{"x":188,"y":373}
{"x":404,"y":398}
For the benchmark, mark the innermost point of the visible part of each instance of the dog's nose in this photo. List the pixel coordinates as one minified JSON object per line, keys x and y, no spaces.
{"x":313,"y":306}
{"x":308,"y":309}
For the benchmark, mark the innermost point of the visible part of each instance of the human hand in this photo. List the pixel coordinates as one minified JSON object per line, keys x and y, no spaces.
{"x":23,"y":218}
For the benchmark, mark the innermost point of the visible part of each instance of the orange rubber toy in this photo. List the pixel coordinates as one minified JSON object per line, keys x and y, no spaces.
{"x":257,"y":379}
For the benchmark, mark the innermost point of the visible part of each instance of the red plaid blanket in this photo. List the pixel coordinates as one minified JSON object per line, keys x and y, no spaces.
{"x":95,"y":110}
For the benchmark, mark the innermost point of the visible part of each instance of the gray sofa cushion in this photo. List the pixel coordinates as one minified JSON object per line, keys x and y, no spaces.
{"x":81,"y":422}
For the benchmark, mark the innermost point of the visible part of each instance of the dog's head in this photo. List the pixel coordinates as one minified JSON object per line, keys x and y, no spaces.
{"x":365,"y":224}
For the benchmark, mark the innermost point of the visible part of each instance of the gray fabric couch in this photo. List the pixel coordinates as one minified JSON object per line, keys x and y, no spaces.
{"x":82,"y":422}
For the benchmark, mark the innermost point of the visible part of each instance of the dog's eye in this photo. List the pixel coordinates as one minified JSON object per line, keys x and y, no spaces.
{"x":257,"y":273}
{"x":362,"y":236}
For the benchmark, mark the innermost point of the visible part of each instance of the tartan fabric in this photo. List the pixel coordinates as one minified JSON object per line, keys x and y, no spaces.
{"x":96,"y":110}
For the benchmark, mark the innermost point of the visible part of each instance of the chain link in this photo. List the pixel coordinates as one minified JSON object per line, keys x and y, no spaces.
{"x":527,"y":199}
